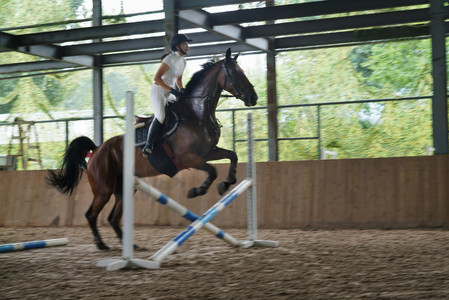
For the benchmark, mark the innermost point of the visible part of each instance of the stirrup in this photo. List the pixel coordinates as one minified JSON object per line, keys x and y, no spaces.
{"x":147,"y":149}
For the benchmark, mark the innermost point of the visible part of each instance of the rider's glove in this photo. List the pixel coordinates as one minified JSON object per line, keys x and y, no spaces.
{"x":176,"y":92}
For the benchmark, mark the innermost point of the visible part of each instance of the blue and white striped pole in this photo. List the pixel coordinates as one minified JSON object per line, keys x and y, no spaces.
{"x":183,"y":211}
{"x":33,"y":245}
{"x":200,"y":222}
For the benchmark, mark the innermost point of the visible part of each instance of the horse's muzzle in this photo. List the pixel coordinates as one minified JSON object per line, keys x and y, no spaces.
{"x":249,"y":96}
{"x":250,"y":99}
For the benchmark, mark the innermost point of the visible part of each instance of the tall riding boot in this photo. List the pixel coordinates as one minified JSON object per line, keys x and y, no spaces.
{"x":153,"y":131}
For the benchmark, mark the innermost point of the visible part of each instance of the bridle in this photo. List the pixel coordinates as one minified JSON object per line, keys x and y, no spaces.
{"x":238,"y":93}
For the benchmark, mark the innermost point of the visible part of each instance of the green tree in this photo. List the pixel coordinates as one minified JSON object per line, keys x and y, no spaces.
{"x":387,"y":70}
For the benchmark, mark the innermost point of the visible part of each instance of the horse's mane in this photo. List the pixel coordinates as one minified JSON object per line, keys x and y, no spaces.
{"x":196,"y":78}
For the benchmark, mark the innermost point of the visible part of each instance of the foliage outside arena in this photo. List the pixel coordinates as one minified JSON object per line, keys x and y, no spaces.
{"x":387,"y":70}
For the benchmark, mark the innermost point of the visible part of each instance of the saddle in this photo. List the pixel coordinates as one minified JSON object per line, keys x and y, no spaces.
{"x":143,"y":123}
{"x":162,"y":158}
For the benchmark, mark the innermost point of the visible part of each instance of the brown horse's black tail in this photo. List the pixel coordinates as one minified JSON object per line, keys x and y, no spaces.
{"x":72,"y":165}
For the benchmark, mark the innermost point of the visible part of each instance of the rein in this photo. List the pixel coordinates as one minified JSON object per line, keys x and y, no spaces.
{"x":213,"y":123}
{"x":238,"y":93}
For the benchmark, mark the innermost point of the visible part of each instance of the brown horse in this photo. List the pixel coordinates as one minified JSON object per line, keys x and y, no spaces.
{"x":193,"y":143}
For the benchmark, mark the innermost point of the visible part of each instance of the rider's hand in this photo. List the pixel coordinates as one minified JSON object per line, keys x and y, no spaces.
{"x":176,"y":92}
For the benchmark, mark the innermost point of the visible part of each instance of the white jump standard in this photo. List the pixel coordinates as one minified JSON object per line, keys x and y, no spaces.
{"x":252,"y":195}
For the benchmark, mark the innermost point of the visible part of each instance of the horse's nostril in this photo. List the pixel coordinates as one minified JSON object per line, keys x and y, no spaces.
{"x":254,"y":99}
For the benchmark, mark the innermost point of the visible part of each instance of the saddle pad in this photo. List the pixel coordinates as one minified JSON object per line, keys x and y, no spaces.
{"x":141,"y":135}
{"x":143,"y":124}
{"x":162,"y":161}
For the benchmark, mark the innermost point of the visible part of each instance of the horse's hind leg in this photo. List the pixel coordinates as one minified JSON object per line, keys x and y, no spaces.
{"x":92,"y":216}
{"x":202,"y":189}
{"x":116,"y":215}
{"x":220,"y":153}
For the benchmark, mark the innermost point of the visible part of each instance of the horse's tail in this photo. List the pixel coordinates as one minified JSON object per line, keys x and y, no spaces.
{"x":72,"y":165}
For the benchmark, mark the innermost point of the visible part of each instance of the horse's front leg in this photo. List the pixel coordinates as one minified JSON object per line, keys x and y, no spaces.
{"x":202,"y":189}
{"x":220,"y":153}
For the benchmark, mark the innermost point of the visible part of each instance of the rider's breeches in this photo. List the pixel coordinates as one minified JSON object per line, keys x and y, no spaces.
{"x":159,"y":99}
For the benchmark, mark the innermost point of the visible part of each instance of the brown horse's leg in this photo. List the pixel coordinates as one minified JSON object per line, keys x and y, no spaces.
{"x":202,"y":189}
{"x":220,"y":153}
{"x":92,"y":216}
{"x":116,"y":215}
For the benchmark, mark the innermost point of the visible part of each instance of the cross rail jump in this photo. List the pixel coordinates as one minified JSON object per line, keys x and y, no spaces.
{"x":130,"y":183}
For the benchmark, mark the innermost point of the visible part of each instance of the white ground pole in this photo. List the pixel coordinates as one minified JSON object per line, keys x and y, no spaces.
{"x":252,"y":195}
{"x":127,"y":260}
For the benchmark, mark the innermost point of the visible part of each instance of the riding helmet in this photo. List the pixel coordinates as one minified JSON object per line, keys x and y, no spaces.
{"x":177,"y":39}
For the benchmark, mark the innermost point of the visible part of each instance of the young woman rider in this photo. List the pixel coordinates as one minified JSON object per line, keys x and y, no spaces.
{"x":167,"y":78}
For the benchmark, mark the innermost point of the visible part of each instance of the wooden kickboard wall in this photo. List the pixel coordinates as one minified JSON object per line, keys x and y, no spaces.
{"x":405,"y":192}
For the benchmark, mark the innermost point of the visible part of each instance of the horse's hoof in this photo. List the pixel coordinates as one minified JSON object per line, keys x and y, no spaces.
{"x":223,"y":187}
{"x":103,"y":247}
{"x":195,"y":192}
{"x":192,"y":193}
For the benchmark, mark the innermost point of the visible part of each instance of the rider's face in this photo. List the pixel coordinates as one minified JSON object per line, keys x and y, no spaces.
{"x":184,"y":47}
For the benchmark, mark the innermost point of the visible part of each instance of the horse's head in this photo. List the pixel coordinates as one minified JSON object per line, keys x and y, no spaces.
{"x":236,"y":81}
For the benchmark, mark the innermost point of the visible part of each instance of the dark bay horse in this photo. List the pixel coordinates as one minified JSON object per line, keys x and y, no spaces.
{"x":193,"y":143}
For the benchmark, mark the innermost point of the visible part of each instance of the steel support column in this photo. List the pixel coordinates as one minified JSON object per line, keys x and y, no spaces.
{"x":439,"y":73}
{"x":97,"y":80}
{"x":171,"y":23}
{"x":272,"y":107}
{"x":273,"y":152}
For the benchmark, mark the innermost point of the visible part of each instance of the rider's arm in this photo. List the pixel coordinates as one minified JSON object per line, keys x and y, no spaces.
{"x":179,"y":82}
{"x":158,"y":77}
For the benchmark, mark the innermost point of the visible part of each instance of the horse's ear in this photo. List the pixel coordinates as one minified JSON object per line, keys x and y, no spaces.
{"x":236,"y":56}
{"x":228,"y":54}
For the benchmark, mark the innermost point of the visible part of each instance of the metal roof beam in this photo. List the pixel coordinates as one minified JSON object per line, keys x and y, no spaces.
{"x":95,"y":32}
{"x":196,"y":4}
{"x":236,"y":32}
{"x":9,"y":41}
{"x":155,"y":55}
{"x":114,"y":46}
{"x":274,"y":29}
{"x":123,"y":58}
{"x":309,"y":9}
{"x":55,"y":53}
{"x":258,"y":14}
{"x":354,"y":37}
{"x":35,"y":66}
{"x":134,"y":44}
{"x":309,"y":41}
{"x":340,"y":23}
